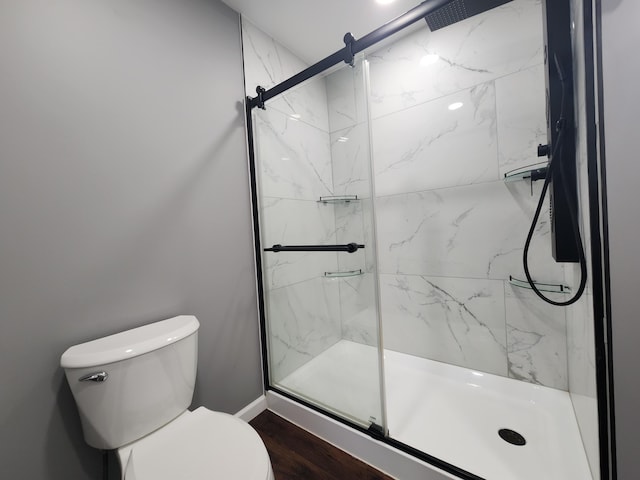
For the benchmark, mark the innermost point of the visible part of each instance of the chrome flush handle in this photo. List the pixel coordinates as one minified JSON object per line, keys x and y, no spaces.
{"x":94,"y":377}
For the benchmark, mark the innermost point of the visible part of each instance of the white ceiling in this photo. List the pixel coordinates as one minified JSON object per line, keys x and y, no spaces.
{"x":313,"y":29}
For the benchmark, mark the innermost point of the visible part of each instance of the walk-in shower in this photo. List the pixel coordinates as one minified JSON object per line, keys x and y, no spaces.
{"x":394,"y":185}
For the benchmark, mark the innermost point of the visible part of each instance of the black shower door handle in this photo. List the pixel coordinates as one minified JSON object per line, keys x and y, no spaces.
{"x":348,"y":247}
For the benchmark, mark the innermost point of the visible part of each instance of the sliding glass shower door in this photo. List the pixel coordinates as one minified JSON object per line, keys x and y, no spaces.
{"x":313,"y":176}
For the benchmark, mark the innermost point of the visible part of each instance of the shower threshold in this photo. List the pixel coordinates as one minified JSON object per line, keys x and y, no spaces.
{"x":451,"y":412}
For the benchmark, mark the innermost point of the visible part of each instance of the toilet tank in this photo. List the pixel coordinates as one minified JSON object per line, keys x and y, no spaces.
{"x":129,"y":384}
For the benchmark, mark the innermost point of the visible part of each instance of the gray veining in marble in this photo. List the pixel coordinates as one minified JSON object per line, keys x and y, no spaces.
{"x":522,"y":125}
{"x":450,"y":231}
{"x":483,"y":48}
{"x":454,"y":320}
{"x":293,"y":158}
{"x":536,"y":339}
{"x":430,"y":146}
{"x":305,"y":321}
{"x":357,"y":302}
{"x":346,"y":96}
{"x":268,"y":63}
{"x":475,"y":231}
{"x":296,"y":222}
{"x":350,"y":158}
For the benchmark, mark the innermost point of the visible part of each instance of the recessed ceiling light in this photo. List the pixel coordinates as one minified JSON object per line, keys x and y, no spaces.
{"x":384,"y":2}
{"x":455,"y":106}
{"x":429,"y":59}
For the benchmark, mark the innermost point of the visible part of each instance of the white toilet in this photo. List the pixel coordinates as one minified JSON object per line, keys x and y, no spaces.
{"x":133,"y":389}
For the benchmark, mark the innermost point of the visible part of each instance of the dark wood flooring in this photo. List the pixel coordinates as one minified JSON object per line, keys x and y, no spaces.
{"x":298,"y":455}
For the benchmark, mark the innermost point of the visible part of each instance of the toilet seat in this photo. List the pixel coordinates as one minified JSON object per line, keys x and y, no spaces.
{"x":198,"y":445}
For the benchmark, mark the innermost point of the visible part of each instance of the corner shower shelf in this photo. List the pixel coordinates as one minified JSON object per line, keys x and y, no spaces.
{"x":339,"y":199}
{"x":534,"y":172}
{"x":543,"y":287}
{"x":348,"y":273}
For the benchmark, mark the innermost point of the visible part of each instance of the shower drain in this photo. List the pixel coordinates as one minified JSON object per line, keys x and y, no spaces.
{"x":512,"y":437}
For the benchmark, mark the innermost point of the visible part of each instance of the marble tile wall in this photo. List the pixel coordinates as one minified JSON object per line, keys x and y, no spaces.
{"x":580,"y":319}
{"x":350,"y":155}
{"x":303,"y":149}
{"x":453,"y":320}
{"x":293,"y":151}
{"x":477,"y":50}
{"x":267,"y":63}
{"x":305,"y":321}
{"x":450,"y":230}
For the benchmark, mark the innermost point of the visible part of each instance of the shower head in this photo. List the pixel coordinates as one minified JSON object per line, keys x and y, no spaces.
{"x":459,"y":10}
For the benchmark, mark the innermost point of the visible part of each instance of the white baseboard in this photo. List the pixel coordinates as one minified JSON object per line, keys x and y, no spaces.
{"x":254,"y":409}
{"x":385,"y":458}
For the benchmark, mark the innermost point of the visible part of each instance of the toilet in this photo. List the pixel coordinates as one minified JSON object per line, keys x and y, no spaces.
{"x":132,"y":390}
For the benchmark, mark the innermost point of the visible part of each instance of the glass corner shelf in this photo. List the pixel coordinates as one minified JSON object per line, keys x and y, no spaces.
{"x":348,"y":273}
{"x":543,"y":287}
{"x":339,"y":199}
{"x":534,"y":172}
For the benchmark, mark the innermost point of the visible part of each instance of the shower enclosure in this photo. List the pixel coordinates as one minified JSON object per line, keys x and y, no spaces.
{"x":392,"y":196}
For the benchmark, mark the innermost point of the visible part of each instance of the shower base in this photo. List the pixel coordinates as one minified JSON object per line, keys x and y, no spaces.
{"x":450,"y":412}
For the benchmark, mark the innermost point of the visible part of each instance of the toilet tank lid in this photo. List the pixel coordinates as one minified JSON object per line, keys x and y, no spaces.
{"x":130,"y":343}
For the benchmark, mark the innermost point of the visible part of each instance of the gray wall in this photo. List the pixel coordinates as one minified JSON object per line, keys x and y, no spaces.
{"x":123,"y":200}
{"x":621,"y":72}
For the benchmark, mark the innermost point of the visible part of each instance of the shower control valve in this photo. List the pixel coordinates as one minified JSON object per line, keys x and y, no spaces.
{"x":544,"y":150}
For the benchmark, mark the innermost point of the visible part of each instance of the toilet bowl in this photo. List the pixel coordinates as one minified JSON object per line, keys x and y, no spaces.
{"x":198,"y":444}
{"x":133,"y":389}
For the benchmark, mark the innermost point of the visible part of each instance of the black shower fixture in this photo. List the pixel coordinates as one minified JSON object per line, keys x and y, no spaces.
{"x":458,"y":10}
{"x":561,"y":179}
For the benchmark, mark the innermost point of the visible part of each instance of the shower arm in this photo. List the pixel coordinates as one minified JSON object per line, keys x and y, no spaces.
{"x":349,"y":248}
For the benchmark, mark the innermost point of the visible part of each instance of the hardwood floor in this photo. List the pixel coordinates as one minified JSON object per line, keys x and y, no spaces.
{"x":298,"y":455}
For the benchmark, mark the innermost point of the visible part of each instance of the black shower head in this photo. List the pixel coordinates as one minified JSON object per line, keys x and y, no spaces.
{"x":459,"y":10}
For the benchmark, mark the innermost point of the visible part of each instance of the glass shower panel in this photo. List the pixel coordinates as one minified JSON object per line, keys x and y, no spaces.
{"x":316,"y":224}
{"x":473,"y":360}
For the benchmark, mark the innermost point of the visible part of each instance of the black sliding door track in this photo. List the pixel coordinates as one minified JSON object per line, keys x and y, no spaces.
{"x":351,"y":48}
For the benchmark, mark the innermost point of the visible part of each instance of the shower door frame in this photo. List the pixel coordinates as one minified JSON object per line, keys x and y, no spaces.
{"x":597,"y":212}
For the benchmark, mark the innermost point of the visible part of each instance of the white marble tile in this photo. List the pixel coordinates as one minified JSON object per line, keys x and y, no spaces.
{"x":482,"y":48}
{"x":293,"y":158}
{"x":580,"y":322}
{"x":430,"y":146}
{"x":346,"y":97}
{"x":454,"y":320}
{"x":349,"y":219}
{"x":586,"y":412}
{"x":267,"y":63}
{"x":304,"y":320}
{"x":307,"y":103}
{"x":581,"y":347}
{"x":522,"y":126}
{"x":573,"y":274}
{"x":358,"y":309}
{"x":371,"y":251}
{"x":350,"y":156}
{"x":341,"y":97}
{"x":536,"y":339}
{"x":296,"y":222}
{"x":582,"y":375}
{"x":476,"y":231}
